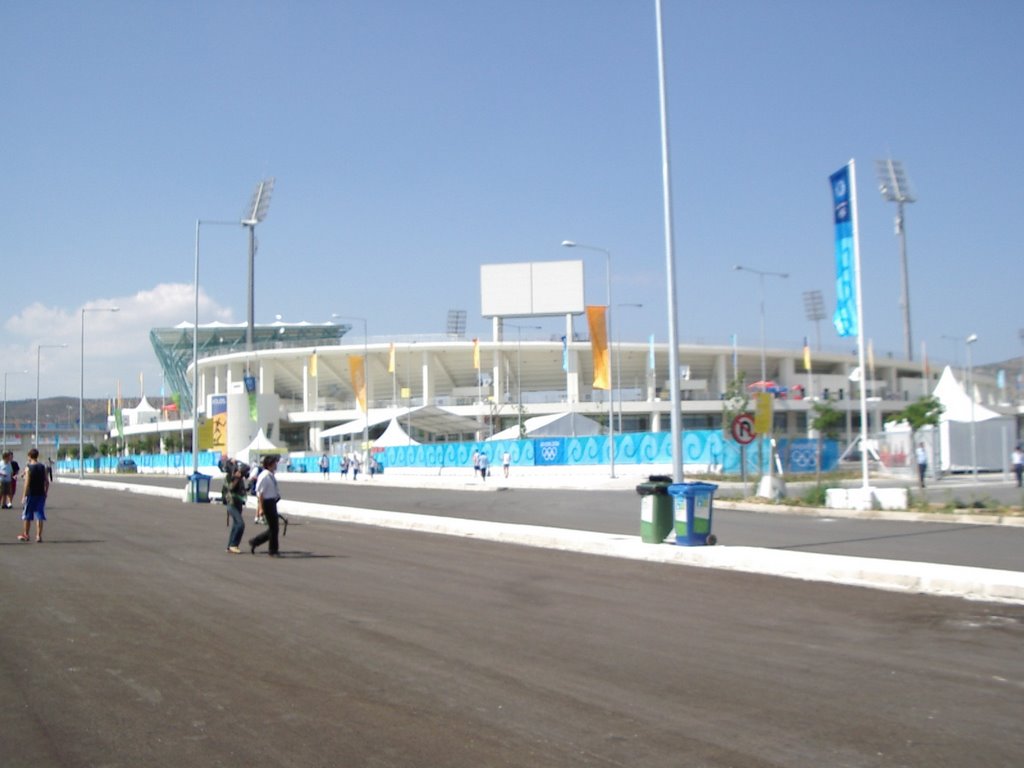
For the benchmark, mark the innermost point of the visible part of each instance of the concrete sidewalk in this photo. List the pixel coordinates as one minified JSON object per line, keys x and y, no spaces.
{"x":927,"y":578}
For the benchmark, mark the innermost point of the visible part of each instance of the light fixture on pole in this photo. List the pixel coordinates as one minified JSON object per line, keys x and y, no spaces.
{"x":814,"y":308}
{"x":255,"y":213}
{"x":519,"y":367}
{"x":892,"y":183}
{"x":761,"y":274}
{"x":618,"y":364}
{"x":611,"y":398}
{"x":81,"y":391}
{"x":6,"y":374}
{"x":39,"y":351}
{"x":970,"y":391}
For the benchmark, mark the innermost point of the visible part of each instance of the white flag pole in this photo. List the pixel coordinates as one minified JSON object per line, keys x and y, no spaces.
{"x":860,"y":329}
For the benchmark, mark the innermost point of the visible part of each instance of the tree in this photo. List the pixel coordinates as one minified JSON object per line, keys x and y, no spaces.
{"x":826,"y":423}
{"x":735,"y":400}
{"x":924,"y":412}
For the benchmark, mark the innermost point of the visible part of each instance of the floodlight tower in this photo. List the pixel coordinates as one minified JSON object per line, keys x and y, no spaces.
{"x":255,"y":213}
{"x":892,"y":183}
{"x":814,"y":306}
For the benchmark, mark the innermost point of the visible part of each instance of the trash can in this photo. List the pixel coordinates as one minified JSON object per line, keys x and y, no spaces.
{"x":692,"y":505}
{"x":655,"y":509}
{"x":199,"y":488}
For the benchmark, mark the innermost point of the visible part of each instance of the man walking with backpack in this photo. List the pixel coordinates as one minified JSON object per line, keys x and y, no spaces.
{"x":37,"y":486}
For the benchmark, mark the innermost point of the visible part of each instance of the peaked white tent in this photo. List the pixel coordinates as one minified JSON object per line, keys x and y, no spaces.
{"x":261,"y":445}
{"x":567,"y":424}
{"x":394,"y":435}
{"x":950,"y":444}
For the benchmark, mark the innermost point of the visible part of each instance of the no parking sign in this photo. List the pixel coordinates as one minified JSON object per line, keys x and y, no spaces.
{"x":742,"y":429}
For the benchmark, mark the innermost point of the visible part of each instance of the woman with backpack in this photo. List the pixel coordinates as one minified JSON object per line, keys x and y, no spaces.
{"x":234,"y":494}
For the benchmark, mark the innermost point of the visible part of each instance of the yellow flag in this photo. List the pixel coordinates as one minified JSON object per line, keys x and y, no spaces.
{"x":312,"y":365}
{"x":763,"y":413}
{"x":599,"y":347}
{"x":391,"y":358}
{"x":807,"y":355}
{"x":358,"y":374}
{"x":476,"y":354}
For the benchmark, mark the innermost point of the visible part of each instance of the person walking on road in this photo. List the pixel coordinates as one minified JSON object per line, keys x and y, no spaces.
{"x":485,"y":464}
{"x":922,"y":463}
{"x":234,"y":493}
{"x":6,"y":496}
{"x":325,"y":467}
{"x":267,"y":495}
{"x":1017,"y":459}
{"x":35,"y":488}
{"x":506,"y":462}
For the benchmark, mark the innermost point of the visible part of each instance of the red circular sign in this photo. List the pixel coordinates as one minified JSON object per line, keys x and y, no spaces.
{"x":742,"y":429}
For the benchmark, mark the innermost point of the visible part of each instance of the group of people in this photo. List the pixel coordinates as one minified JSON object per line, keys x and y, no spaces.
{"x":349,"y":463}
{"x":238,"y":482}
{"x":482,"y":463}
{"x":35,"y":488}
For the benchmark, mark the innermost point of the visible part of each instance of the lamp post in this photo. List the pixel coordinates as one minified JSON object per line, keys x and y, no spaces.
{"x":6,"y":374}
{"x":970,"y":391}
{"x":761,"y":274}
{"x":892,"y":183}
{"x":611,"y":399}
{"x":366,"y":386}
{"x":257,"y":212}
{"x":618,"y":364}
{"x":519,"y":368}
{"x":81,"y":391}
{"x":39,"y":351}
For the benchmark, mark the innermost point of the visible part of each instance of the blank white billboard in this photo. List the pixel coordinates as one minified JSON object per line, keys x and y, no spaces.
{"x":531,"y":288}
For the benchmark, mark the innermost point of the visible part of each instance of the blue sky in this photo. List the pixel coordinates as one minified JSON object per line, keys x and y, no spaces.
{"x":412,"y":142}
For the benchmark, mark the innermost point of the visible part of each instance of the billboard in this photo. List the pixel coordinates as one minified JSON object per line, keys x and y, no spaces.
{"x":529,"y":289}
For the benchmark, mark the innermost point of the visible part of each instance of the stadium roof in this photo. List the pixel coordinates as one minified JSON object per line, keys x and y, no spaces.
{"x":173,"y":346}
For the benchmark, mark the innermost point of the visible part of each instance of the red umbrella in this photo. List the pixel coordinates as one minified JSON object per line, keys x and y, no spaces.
{"x":763,"y":385}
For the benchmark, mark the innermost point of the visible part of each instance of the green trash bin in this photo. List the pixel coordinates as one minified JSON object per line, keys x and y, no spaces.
{"x":655,"y":509}
{"x":692,"y":504}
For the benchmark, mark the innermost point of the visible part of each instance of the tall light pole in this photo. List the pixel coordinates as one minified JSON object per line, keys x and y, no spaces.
{"x":611,"y":398}
{"x":519,"y":368}
{"x":814,"y":309}
{"x":255,"y":213}
{"x":81,"y":391}
{"x":39,"y":351}
{"x":618,"y":364}
{"x":892,"y":183}
{"x":6,"y":374}
{"x":970,"y":391}
{"x":761,"y":274}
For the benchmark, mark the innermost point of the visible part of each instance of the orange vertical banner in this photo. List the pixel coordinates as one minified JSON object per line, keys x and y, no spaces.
{"x":358,"y":374}
{"x":599,"y":347}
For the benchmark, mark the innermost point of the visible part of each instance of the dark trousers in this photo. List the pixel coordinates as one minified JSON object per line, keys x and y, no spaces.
{"x":1018,"y":469}
{"x":270,"y":512}
{"x":922,"y":470}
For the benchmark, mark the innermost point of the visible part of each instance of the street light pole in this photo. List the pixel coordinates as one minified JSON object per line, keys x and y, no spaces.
{"x":257,"y":212}
{"x":6,"y":374}
{"x":81,"y":391}
{"x":366,"y":386}
{"x":39,"y":350}
{"x":611,"y":398}
{"x":761,"y":274}
{"x":970,"y":391}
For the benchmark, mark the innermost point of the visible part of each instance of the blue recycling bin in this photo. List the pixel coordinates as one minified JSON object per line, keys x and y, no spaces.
{"x":692,"y":505}
{"x":199,"y":488}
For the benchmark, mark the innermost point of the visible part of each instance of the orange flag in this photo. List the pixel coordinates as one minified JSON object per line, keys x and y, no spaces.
{"x":358,"y":374}
{"x":599,"y":347}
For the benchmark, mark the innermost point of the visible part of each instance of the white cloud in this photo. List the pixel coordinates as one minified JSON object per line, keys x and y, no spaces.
{"x":117,"y":347}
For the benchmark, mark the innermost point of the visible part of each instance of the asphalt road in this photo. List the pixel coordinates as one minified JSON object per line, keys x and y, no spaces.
{"x":984,"y":546}
{"x":131,"y":638}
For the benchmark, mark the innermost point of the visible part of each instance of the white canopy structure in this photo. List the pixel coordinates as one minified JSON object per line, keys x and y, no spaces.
{"x":261,"y":445}
{"x":567,"y":424}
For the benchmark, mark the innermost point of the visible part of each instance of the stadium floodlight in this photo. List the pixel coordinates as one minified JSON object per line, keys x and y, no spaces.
{"x":814,"y":307}
{"x":456,"y":323}
{"x":892,"y":183}
{"x":255,"y":213}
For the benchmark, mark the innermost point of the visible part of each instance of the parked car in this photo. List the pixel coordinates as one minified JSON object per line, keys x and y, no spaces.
{"x":127,"y":466}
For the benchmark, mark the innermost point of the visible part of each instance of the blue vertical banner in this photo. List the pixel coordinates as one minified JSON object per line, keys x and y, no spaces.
{"x":845,"y":317}
{"x":565,"y":354}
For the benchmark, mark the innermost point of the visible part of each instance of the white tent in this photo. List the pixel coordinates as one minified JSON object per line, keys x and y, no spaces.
{"x":394,"y":435}
{"x":261,"y":445}
{"x":567,"y":424}
{"x":950,"y":444}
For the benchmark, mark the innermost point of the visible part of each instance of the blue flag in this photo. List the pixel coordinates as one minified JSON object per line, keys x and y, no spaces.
{"x":845,"y":317}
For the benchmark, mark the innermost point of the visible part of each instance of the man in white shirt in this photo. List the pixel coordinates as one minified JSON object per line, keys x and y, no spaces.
{"x":267,"y":495}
